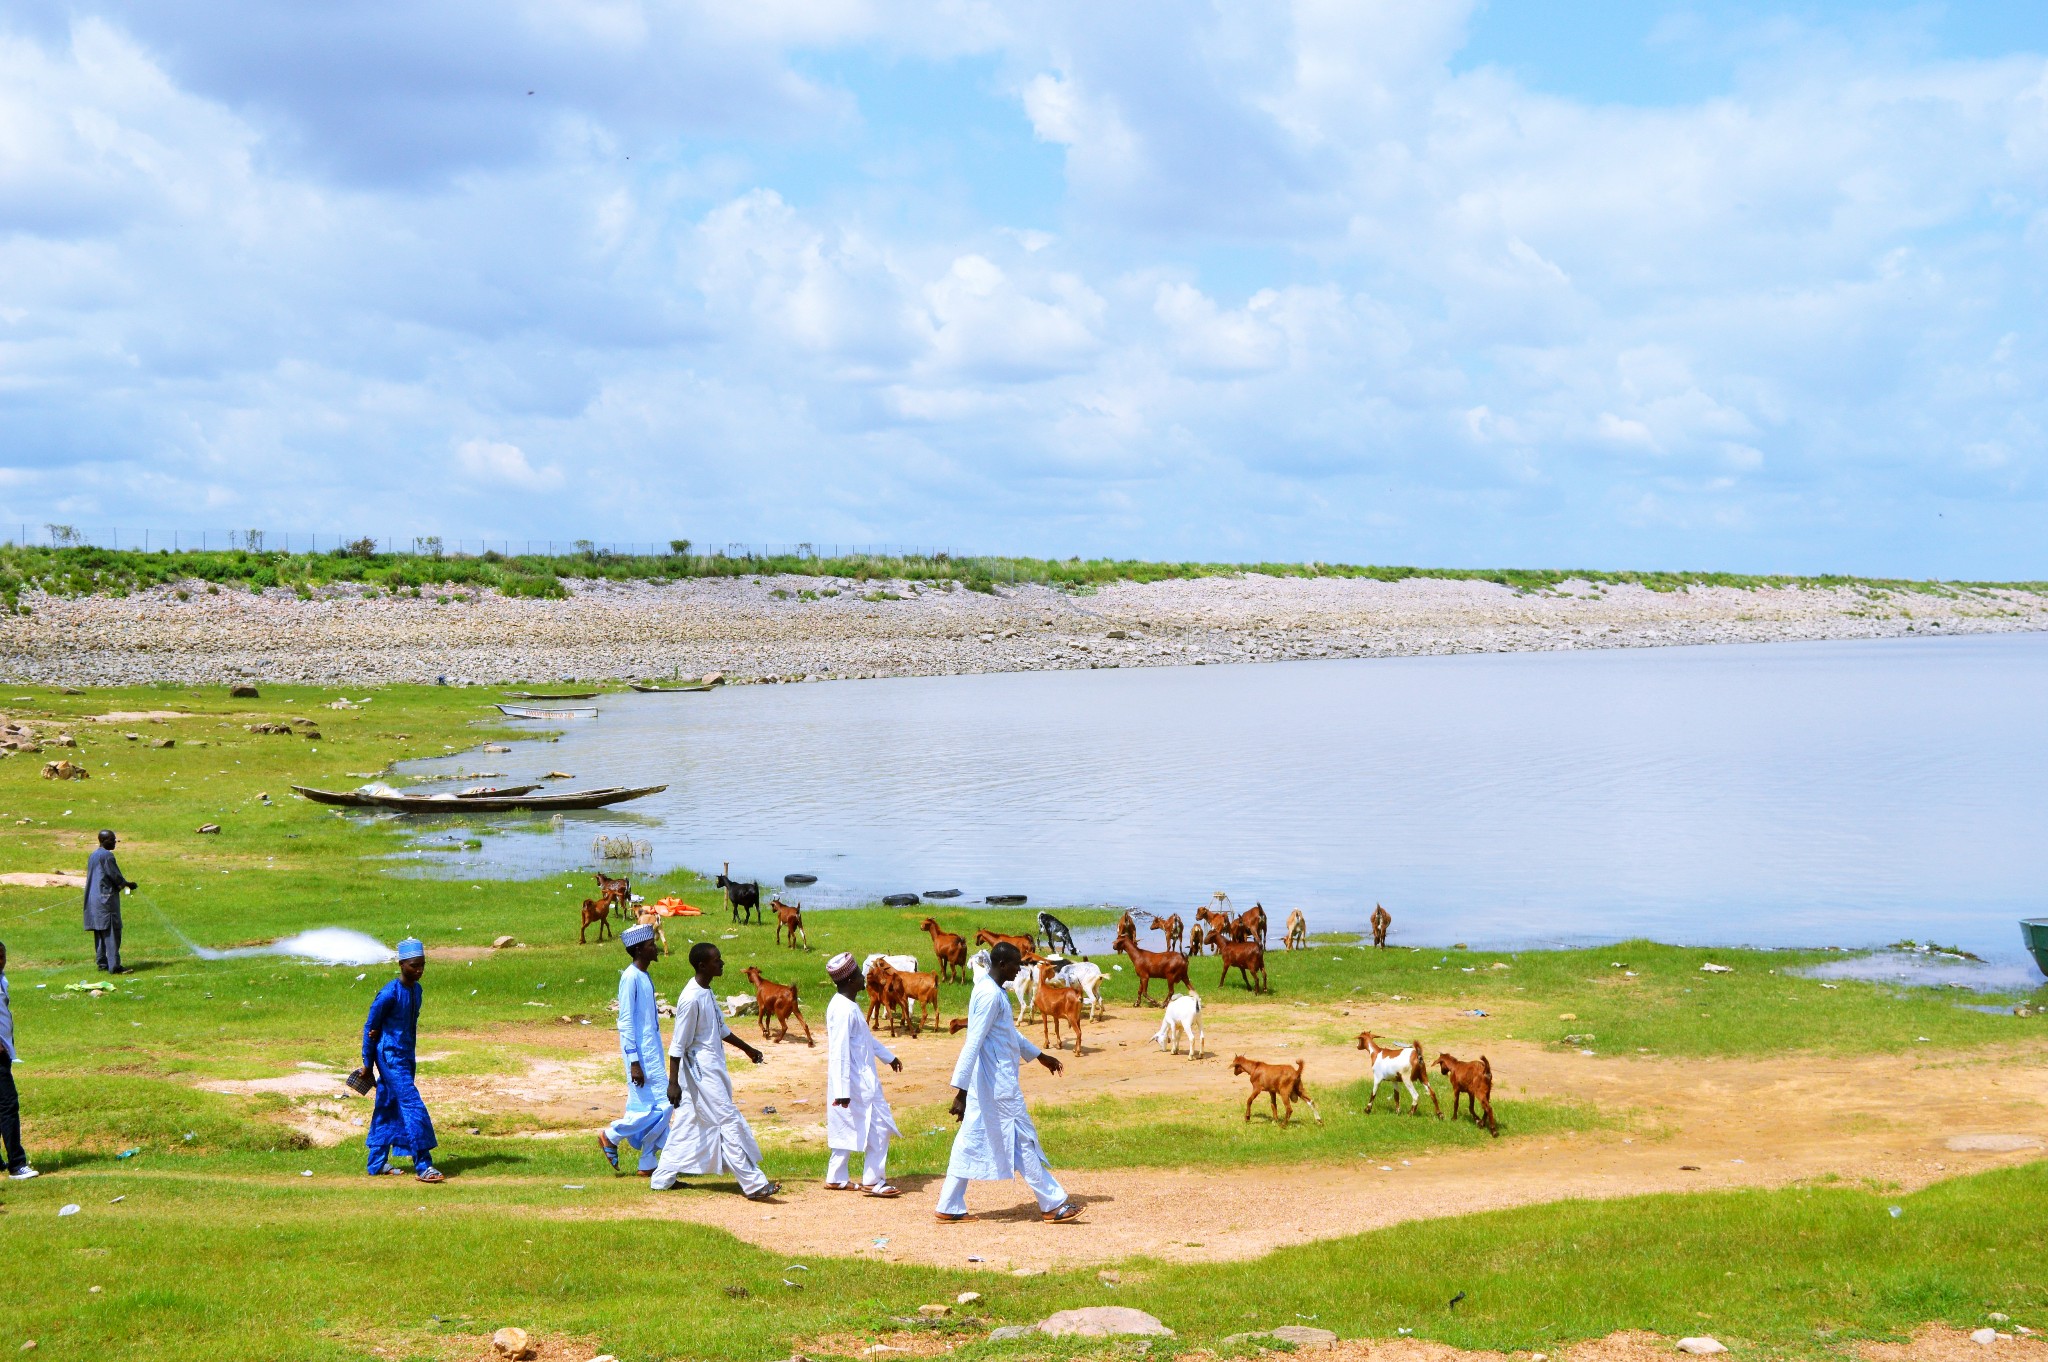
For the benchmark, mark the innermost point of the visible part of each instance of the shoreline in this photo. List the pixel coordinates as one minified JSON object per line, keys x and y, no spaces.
{"x":775,"y":629}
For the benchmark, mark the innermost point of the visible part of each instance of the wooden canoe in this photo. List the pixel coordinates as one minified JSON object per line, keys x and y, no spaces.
{"x":495,"y":791}
{"x":526,"y":712}
{"x":542,"y":802}
{"x":668,"y":690}
{"x":2034,"y":931}
{"x":536,"y":695}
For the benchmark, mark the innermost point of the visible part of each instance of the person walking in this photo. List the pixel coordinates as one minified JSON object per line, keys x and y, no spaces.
{"x":10,"y":1100}
{"x":399,"y":1123}
{"x":997,"y":1139}
{"x":103,"y":885}
{"x":857,"y":1115}
{"x":707,"y":1134}
{"x":645,"y":1124}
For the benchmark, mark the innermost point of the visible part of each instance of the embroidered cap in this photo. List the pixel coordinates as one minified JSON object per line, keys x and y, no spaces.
{"x":412,"y":948}
{"x":843,"y":966}
{"x":635,"y":934}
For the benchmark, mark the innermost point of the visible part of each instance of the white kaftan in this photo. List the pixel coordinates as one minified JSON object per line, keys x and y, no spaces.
{"x":997,"y":1130}
{"x":851,"y":1053}
{"x":707,"y":1134}
{"x":646,"y":1120}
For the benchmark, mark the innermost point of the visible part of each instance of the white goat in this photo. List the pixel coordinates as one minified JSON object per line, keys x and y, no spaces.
{"x":1023,"y":987}
{"x":1404,"y":1066}
{"x":902,"y":964}
{"x":1086,"y":977}
{"x":1183,"y":1014}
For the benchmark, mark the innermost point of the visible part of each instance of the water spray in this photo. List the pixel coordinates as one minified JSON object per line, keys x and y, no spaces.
{"x":322,"y":945}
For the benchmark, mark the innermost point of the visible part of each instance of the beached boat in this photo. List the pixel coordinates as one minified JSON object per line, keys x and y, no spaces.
{"x":669,"y":690}
{"x":536,"y":695}
{"x":528,"y":712}
{"x":495,"y":791}
{"x":499,"y":803}
{"x":2034,"y":931}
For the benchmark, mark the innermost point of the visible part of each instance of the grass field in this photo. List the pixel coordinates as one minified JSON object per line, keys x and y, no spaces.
{"x":328,"y":1266}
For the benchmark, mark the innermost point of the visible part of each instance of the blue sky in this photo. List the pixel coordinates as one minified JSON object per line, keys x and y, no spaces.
{"x":1740,"y":286}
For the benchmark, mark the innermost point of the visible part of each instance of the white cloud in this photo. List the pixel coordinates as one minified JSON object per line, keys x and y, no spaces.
{"x":493,"y":463}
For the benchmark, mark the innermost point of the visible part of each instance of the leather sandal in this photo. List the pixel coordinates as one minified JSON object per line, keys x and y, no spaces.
{"x":946,"y":1219}
{"x":431,"y":1175}
{"x":1060,"y":1215}
{"x":838,"y":1186}
{"x":766,"y":1193}
{"x":610,"y":1151}
{"x":884,"y":1191}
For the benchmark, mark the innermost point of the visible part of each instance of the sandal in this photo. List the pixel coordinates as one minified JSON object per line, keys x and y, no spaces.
{"x":882,"y":1190}
{"x":838,"y":1186}
{"x":1060,"y":1215}
{"x":610,"y":1151}
{"x":766,"y":1193}
{"x":431,"y":1175}
{"x":945,"y":1218}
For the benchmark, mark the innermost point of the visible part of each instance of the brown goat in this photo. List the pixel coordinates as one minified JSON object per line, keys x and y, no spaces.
{"x":1248,"y":958}
{"x":1251,"y":924}
{"x":885,"y":994}
{"x":777,"y":1001}
{"x":951,"y":950}
{"x":1172,"y":928}
{"x":647,"y":915}
{"x":1279,"y":1083}
{"x":1216,"y":922}
{"x":1381,"y":920}
{"x":1056,"y":1003}
{"x":1027,"y":946}
{"x":1297,"y":931}
{"x":902,"y":988}
{"x":1171,"y":966}
{"x":617,"y":892}
{"x":1474,"y":1080}
{"x":598,"y":911}
{"x":789,"y":917}
{"x":1402,"y":1066}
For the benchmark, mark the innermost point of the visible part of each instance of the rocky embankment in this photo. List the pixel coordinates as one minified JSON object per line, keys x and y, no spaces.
{"x":806,"y":628}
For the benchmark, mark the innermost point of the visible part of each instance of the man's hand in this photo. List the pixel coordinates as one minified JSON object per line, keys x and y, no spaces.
{"x":842,"y":1101}
{"x":896,"y":1066}
{"x":1052,"y":1066}
{"x":675,"y":1093}
{"x":753,"y":1054}
{"x":959,"y":1107}
{"x":639,"y":1075}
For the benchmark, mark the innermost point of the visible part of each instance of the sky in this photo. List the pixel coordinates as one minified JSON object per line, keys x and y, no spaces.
{"x":1736,"y":286}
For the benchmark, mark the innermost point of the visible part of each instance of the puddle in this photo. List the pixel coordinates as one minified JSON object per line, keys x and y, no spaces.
{"x":1930,"y":969}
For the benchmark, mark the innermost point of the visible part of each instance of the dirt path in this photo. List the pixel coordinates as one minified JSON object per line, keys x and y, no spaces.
{"x":1690,"y":1124}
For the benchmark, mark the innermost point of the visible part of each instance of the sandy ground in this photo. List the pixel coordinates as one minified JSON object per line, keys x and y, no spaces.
{"x":1899,"y":1120}
{"x":741,"y":627}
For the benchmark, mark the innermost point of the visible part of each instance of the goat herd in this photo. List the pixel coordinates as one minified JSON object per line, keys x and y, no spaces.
{"x":1061,"y":986}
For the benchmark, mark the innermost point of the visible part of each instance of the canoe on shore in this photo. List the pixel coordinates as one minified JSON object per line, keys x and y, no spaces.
{"x":499,"y":803}
{"x":2034,"y":931}
{"x":668,"y":690}
{"x":497,"y":791}
{"x":528,"y":712}
{"x":536,"y":695}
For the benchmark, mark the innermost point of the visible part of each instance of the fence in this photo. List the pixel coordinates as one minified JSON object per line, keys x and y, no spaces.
{"x":434,"y":546}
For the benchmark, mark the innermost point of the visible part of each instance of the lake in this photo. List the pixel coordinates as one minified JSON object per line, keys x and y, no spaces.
{"x":1780,"y":794}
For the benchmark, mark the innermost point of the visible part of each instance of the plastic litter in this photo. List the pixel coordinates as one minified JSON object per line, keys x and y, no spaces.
{"x":1896,"y":1211}
{"x":127,"y":1153}
{"x":118,"y":1200}
{"x":69,"y":1208}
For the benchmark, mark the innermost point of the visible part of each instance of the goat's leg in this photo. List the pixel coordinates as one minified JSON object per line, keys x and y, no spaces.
{"x":1372,"y":1096}
{"x":1439,"y":1106}
{"x":806,"y":1026}
{"x":1491,"y":1128}
{"x":1248,"y":1106}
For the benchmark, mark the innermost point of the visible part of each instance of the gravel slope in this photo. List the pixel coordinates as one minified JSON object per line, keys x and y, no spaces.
{"x":741,"y":628}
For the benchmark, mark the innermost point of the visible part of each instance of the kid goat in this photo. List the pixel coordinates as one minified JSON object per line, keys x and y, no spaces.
{"x":1403,"y":1066}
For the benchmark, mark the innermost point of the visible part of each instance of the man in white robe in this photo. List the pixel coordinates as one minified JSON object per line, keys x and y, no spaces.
{"x":645,"y":1123}
{"x":857,"y":1115}
{"x":707,"y":1134}
{"x":997,"y":1139}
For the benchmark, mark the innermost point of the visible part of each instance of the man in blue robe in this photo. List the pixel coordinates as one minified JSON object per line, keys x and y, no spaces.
{"x":103,"y":885}
{"x":645,"y":1124}
{"x":399,"y":1123}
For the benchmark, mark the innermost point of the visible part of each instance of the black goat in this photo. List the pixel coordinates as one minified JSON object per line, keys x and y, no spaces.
{"x":743,"y":898}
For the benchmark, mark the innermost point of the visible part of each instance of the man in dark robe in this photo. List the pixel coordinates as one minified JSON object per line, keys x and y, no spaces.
{"x":103,"y":885}
{"x":399,"y":1123}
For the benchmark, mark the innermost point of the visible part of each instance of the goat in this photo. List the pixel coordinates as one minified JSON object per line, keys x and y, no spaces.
{"x":1297,"y":931}
{"x":1381,"y":920}
{"x":1056,"y":1004}
{"x":617,"y":892}
{"x":1170,"y":927}
{"x":1198,"y":936}
{"x":744,"y":898}
{"x":1125,"y":924}
{"x":902,"y":964}
{"x":1086,"y":977}
{"x":1023,"y":984}
{"x":1027,"y":946}
{"x":885,"y":991}
{"x":777,"y":1002}
{"x":1182,"y":1014}
{"x":1248,"y":958}
{"x":1168,"y":965}
{"x":1278,"y":1082}
{"x":1474,"y":1081}
{"x":951,"y":950}
{"x":789,"y":917}
{"x":901,"y":989}
{"x":647,"y":915}
{"x":1404,"y":1066}
{"x":1057,"y":937}
{"x":1217,"y":924}
{"x":598,"y":911}
{"x":1251,"y":923}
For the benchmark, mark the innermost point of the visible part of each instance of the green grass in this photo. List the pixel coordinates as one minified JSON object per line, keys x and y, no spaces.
{"x":78,"y":571}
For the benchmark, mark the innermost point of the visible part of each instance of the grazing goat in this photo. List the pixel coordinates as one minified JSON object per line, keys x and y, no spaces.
{"x":1215,"y":923}
{"x":1183,"y":1014}
{"x":1056,"y":1004}
{"x":617,"y":892}
{"x":1125,"y":924}
{"x":1248,"y":958}
{"x":1251,"y":924}
{"x":600,"y":912}
{"x":1086,"y":977}
{"x":1404,"y":1066}
{"x":1297,"y":931}
{"x":1027,"y":946}
{"x":1057,"y":937}
{"x":743,"y":898}
{"x":951,"y":950}
{"x":777,"y":1002}
{"x":1474,"y":1081}
{"x":1198,"y":936}
{"x":903,"y":989}
{"x":1381,"y":920}
{"x":1171,"y":928}
{"x":647,"y":915}
{"x":1171,"y":966}
{"x":1278,"y":1082}
{"x":789,"y":917}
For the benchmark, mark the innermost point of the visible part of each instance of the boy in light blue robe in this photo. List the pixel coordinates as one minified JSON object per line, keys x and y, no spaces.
{"x":645,"y":1124}
{"x":399,"y":1123}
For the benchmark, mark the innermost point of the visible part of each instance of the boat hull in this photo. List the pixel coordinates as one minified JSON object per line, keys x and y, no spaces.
{"x":535,"y":803}
{"x":2034,"y":931}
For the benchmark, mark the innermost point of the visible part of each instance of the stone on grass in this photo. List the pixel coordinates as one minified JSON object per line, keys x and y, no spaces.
{"x":1102,"y":1321}
{"x":933,"y":1311}
{"x":502,"y":942}
{"x":242,"y":693}
{"x":1305,"y":1335}
{"x":209,"y":827}
{"x":1010,"y":1331}
{"x":967,"y":1298}
{"x":1984,"y":1337}
{"x":1701,"y":1347}
{"x":512,"y":1343}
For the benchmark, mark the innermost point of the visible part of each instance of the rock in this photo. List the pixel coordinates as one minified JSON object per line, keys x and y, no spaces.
{"x":1010,"y":1331}
{"x":1102,"y":1321}
{"x":163,"y":742}
{"x":970,"y":1297}
{"x":242,"y":693}
{"x":63,"y":740}
{"x":512,"y":1343}
{"x":558,"y":775}
{"x":1998,"y":1317}
{"x":1711,"y":968}
{"x":1305,"y":1335}
{"x":500,"y":943}
{"x":209,"y":827}
{"x":311,"y":735}
{"x":65,"y":770}
{"x":1992,"y":1144}
{"x":1984,"y":1338}
{"x":1701,"y":1347}
{"x":934,"y":1311}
